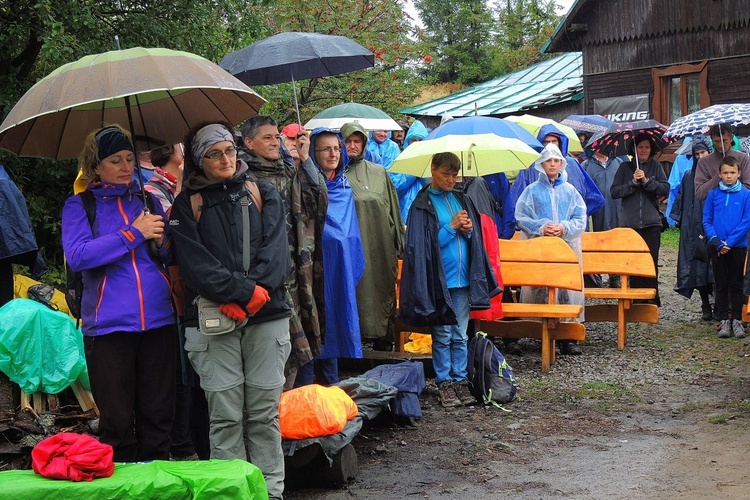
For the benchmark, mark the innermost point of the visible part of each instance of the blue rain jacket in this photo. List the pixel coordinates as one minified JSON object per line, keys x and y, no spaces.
{"x":344,"y":263}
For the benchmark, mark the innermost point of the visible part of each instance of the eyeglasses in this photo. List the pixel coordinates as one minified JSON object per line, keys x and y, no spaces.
{"x":328,"y":150}
{"x":216,"y":154}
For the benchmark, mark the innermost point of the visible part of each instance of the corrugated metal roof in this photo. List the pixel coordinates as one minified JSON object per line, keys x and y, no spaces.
{"x":555,"y":80}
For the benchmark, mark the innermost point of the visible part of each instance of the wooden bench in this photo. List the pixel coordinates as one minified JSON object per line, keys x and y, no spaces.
{"x":622,"y":252}
{"x":541,"y":261}
{"x":544,"y":262}
{"x":401,"y":329}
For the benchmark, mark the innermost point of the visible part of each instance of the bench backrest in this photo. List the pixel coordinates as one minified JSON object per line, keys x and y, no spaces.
{"x":617,"y":251}
{"x":544,"y":261}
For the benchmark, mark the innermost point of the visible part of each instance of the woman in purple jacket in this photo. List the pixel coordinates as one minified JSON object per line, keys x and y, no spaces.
{"x":126,"y":310}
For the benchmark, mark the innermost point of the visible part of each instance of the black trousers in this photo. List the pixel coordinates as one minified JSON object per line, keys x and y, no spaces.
{"x":728,"y":274}
{"x":652,"y":237}
{"x":133,"y":382}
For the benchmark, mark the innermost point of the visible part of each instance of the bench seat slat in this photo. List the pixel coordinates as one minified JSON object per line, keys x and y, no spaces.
{"x":627,"y":263}
{"x":613,"y":240}
{"x":551,"y":311}
{"x":530,"y":329}
{"x":620,"y":293}
{"x":637,"y":313}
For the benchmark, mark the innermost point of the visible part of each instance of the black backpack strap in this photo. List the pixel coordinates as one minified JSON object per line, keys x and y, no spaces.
{"x":89,"y":205}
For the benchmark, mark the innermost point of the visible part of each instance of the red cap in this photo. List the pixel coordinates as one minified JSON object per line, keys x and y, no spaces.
{"x":293,"y":130}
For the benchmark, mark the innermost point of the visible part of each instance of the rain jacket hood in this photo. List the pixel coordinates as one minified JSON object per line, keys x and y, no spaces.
{"x":384,"y":152}
{"x":343,"y":159}
{"x":551,"y":129}
{"x":551,"y":151}
{"x":348,"y":129}
{"x":417,"y":130}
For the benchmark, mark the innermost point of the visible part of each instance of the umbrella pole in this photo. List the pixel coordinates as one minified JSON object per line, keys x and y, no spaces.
{"x":135,"y":154}
{"x":296,"y":104}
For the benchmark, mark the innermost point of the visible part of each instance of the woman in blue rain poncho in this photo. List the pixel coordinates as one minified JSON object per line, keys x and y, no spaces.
{"x":343,"y":262}
{"x":551,"y":206}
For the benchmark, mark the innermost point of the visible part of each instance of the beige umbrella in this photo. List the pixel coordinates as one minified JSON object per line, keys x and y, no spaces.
{"x":158,"y":93}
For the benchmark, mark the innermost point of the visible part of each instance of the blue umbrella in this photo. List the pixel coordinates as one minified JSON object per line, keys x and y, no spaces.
{"x":588,"y":123}
{"x":473,"y":125}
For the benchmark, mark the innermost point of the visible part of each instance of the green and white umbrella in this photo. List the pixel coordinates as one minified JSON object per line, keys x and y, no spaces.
{"x":369,"y":117}
{"x":158,"y":94}
{"x":480,"y":154}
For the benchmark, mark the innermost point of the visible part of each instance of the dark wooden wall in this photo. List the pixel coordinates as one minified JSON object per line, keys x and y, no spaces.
{"x":613,"y":21}
{"x":665,"y":50}
{"x":728,"y":82}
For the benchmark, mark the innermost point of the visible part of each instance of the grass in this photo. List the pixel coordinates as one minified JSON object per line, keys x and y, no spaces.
{"x":731,"y":410}
{"x":671,"y":238}
{"x":598,"y":390}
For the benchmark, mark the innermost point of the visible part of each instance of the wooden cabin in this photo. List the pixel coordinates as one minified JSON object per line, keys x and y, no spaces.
{"x":683,"y":54}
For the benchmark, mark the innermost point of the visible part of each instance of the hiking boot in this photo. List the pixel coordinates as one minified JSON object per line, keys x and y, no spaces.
{"x":447,"y":395}
{"x":570,"y":348}
{"x":707,"y":314}
{"x":725,"y":329}
{"x":738,"y":330}
{"x":512,"y":346}
{"x":463,"y":393}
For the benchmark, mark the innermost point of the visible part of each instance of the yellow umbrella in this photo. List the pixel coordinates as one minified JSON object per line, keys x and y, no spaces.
{"x":534,"y":123}
{"x":480,"y":154}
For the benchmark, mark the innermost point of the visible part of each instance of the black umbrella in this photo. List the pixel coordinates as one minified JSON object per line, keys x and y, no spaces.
{"x":291,"y":56}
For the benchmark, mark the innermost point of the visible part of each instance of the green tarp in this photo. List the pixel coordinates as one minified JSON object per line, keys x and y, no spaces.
{"x":40,"y":349}
{"x":207,"y":480}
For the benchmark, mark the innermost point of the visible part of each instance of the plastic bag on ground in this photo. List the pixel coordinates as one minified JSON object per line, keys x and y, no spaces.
{"x":421,"y":343}
{"x":40,"y":349}
{"x":314,"y":411}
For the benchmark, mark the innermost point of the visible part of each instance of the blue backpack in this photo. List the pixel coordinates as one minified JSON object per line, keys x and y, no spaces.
{"x":491,"y":378}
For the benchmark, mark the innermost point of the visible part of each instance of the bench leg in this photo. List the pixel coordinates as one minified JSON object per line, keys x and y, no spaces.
{"x":548,"y":348}
{"x":622,"y":325}
{"x":400,"y":341}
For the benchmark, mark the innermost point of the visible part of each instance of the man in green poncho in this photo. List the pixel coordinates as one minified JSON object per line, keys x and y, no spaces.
{"x":382,"y":231}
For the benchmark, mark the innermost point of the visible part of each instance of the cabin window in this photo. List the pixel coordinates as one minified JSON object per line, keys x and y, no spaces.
{"x":679,"y":90}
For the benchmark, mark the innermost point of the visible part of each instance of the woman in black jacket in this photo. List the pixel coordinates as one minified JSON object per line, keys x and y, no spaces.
{"x":242,"y":372}
{"x":640,"y":183}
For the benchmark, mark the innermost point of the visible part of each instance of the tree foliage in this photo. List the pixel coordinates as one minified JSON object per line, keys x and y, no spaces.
{"x":458,"y":34}
{"x":41,"y":35}
{"x":474,"y":42}
{"x":523,"y":27}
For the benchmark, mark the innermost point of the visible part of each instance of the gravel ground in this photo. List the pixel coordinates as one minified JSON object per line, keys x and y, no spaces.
{"x":668,"y":417}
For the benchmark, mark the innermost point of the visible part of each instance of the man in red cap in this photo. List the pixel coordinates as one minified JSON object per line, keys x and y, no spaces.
{"x":290,"y":134}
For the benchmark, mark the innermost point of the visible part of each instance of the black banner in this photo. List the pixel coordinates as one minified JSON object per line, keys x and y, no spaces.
{"x":625,"y":108}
